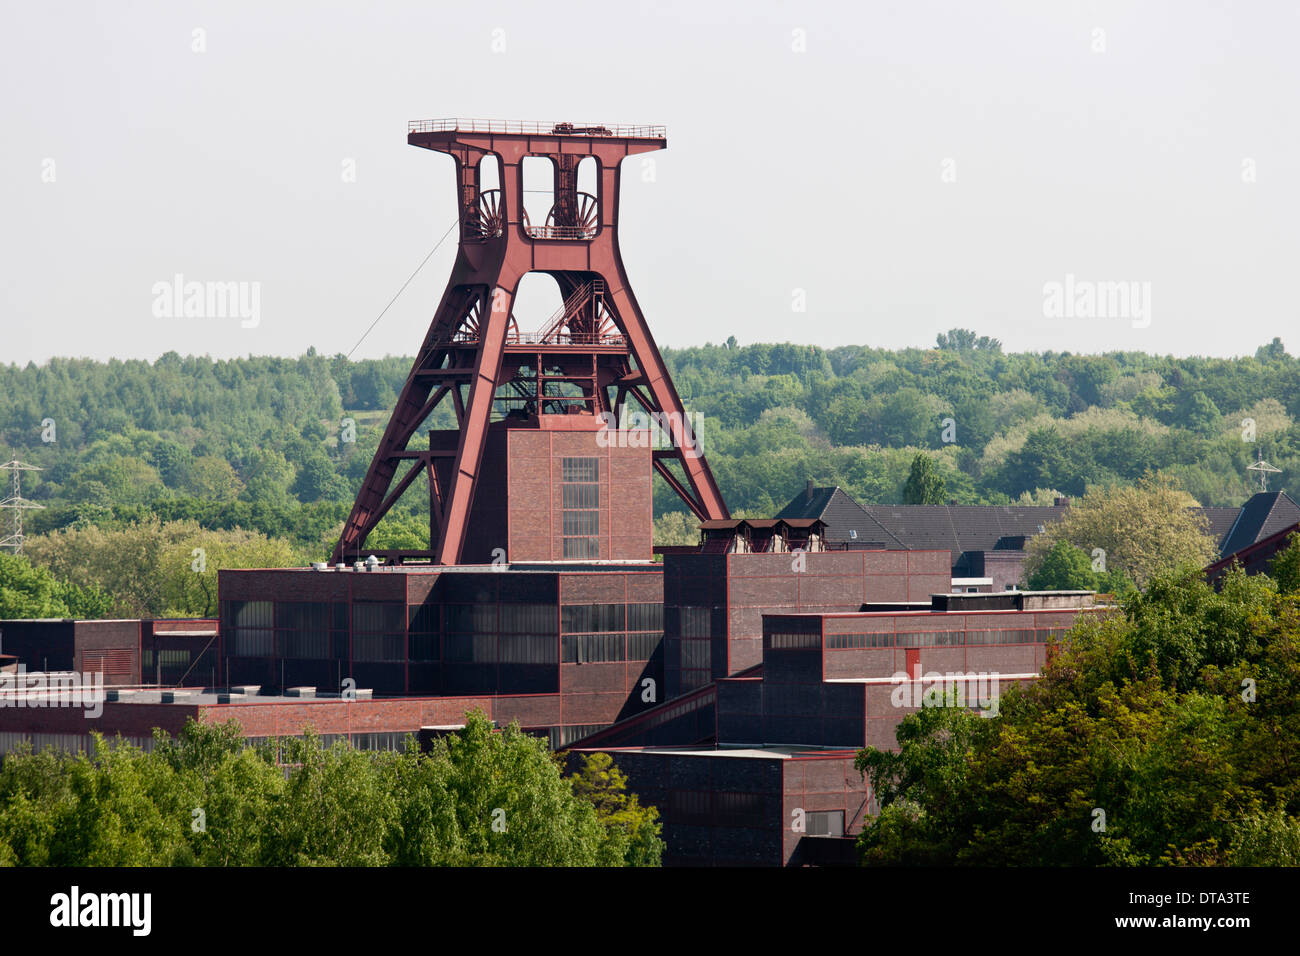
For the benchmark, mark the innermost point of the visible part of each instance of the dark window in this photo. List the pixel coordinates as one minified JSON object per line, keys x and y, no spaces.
{"x":696,"y":622}
{"x":564,"y":736}
{"x":375,"y":618}
{"x":423,"y":617}
{"x":738,"y":809}
{"x":470,"y":618}
{"x":824,"y":823}
{"x":526,"y":649}
{"x":581,"y":497}
{"x":642,"y":647}
{"x":697,"y":654}
{"x":593,"y":648}
{"x":424,"y":647}
{"x":581,"y":516}
{"x":591,"y":617}
{"x":378,"y":647}
{"x":689,"y":806}
{"x":581,"y":548}
{"x":304,"y":645}
{"x":581,"y":469}
{"x":302,"y":616}
{"x":842,"y":641}
{"x":580,"y":523}
{"x":645,"y":617}
{"x":528,"y":619}
{"x":794,"y":642}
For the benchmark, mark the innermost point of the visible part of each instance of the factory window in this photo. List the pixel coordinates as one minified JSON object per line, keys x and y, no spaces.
{"x":697,"y":654}
{"x":470,"y":648}
{"x":302,"y":616}
{"x":791,"y":642}
{"x":581,"y":496}
{"x":739,"y":809}
{"x":1017,"y":636}
{"x":389,"y":741}
{"x":581,"y":469}
{"x":581,"y":516}
{"x":378,"y":647}
{"x":824,"y":823}
{"x":470,"y":618}
{"x":689,"y":806}
{"x":645,"y":617}
{"x":564,"y":736}
{"x":528,"y":618}
{"x":696,"y":622}
{"x":581,"y":523}
{"x":641,"y":647}
{"x":593,"y":648}
{"x":845,"y":641}
{"x":526,"y":649}
{"x":424,"y":647}
{"x":591,"y":617}
{"x":422,"y":618}
{"x":581,"y":548}
{"x":248,"y":626}
{"x":376,"y":618}
{"x":304,"y":645}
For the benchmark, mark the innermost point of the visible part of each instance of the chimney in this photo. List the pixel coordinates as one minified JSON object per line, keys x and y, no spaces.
{"x":1062,"y":502}
{"x":808,"y":491}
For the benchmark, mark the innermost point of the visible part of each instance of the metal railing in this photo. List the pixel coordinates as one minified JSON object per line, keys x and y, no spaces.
{"x":533,"y":127}
{"x":560,"y":232}
{"x":565,"y":338}
{"x":537,"y":338}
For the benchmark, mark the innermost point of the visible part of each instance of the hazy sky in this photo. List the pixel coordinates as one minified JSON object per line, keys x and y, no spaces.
{"x":911,"y":166}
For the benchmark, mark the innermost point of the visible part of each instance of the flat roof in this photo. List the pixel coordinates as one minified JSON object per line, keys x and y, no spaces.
{"x":941,"y":612}
{"x":525,"y":567}
{"x":749,"y":753}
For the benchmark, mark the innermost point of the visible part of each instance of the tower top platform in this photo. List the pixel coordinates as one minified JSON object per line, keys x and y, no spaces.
{"x":536,"y":128}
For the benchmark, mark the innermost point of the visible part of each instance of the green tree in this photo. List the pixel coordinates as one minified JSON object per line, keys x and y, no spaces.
{"x":27,"y":591}
{"x":1065,"y":568}
{"x":924,"y":485}
{"x":1285,"y":569}
{"x":1138,"y":745}
{"x":1141,"y":529}
{"x":632,"y":832}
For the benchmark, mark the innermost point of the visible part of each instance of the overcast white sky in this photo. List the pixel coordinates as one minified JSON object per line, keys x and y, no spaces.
{"x":1108,"y":141}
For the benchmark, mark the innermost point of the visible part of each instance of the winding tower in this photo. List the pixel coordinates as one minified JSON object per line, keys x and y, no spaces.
{"x":545,"y":463}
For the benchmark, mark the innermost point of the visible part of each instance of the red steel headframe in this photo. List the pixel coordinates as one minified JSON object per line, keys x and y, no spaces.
{"x":473,"y":347}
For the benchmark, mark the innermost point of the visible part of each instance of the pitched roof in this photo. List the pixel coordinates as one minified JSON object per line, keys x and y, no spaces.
{"x":961,"y":528}
{"x":843,"y":517}
{"x":1221,"y":522}
{"x":1265,"y":514}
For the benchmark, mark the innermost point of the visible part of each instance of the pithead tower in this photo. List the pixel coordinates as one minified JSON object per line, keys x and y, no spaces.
{"x":545,"y":463}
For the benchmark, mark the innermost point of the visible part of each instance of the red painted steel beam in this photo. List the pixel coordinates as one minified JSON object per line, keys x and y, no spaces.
{"x":473,"y":434}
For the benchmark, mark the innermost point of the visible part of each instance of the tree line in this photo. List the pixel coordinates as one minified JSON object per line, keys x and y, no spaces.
{"x":480,"y":797}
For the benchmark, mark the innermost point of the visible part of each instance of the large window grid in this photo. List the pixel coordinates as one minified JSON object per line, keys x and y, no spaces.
{"x":942,"y":638}
{"x":696,"y":646}
{"x":794,"y":642}
{"x":378,"y":631}
{"x":580,"y":489}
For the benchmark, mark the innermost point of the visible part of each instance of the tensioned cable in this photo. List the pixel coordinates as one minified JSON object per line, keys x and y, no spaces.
{"x":404,"y":285}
